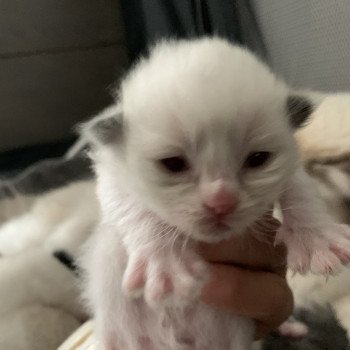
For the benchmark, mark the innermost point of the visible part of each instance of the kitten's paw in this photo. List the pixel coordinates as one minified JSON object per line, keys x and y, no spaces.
{"x":163,"y":275}
{"x":322,"y":250}
{"x":294,"y":329}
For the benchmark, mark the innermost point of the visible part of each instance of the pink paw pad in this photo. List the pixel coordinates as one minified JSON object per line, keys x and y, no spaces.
{"x":324,"y":262}
{"x":158,"y":288}
{"x":341,"y":253}
{"x":135,"y":277}
{"x":321,"y":250}
{"x":160,"y":276}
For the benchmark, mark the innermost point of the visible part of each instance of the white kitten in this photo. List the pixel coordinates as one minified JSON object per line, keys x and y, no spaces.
{"x":199,"y":146}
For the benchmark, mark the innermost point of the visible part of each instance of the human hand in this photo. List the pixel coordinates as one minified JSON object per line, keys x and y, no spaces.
{"x":248,"y":277}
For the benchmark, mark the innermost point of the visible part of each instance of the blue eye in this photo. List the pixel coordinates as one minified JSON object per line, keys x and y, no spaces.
{"x":257,"y":159}
{"x":174,"y":164}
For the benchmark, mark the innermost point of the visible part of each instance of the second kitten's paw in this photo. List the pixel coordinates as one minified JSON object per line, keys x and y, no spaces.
{"x":320,"y":250}
{"x":295,"y":329}
{"x":164,"y":275}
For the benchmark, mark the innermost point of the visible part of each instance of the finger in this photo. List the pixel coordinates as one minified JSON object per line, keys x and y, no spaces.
{"x":262,"y":296}
{"x":262,"y":330}
{"x":247,"y":250}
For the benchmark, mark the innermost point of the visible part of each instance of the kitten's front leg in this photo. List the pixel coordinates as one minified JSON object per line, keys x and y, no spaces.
{"x":161,"y":269}
{"x":314,"y":241}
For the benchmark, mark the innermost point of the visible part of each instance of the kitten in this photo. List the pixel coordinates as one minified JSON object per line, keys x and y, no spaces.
{"x":198,"y":147}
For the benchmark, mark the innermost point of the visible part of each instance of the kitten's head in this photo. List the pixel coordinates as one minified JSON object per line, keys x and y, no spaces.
{"x":204,"y":136}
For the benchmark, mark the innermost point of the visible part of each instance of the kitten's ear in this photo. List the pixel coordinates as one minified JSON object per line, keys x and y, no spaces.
{"x":105,"y":128}
{"x":299,"y":109}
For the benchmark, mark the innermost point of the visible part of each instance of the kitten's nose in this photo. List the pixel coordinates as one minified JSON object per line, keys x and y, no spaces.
{"x":220,"y":203}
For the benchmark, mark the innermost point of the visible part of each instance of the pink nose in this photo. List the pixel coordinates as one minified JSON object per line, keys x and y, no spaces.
{"x":220,"y":203}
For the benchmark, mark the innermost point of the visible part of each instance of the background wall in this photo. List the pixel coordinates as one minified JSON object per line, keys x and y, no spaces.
{"x":307,"y":42}
{"x":58,"y":57}
{"x":57,"y":60}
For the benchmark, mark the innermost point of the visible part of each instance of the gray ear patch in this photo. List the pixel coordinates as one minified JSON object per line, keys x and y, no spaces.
{"x":107,"y":130}
{"x":299,"y":109}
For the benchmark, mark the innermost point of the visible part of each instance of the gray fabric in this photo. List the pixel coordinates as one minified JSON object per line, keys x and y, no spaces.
{"x":47,"y":175}
{"x":5,"y":191}
{"x":251,"y":34}
{"x":325,"y":333}
{"x":149,"y":20}
{"x":307,"y":42}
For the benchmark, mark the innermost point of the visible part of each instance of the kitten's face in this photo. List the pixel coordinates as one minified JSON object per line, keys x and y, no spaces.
{"x":207,"y":142}
{"x":216,"y":179}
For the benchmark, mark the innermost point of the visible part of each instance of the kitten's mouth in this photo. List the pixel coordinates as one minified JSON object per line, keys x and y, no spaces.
{"x":215,"y":222}
{"x":215,"y":227}
{"x":214,"y":233}
{"x":221,"y":226}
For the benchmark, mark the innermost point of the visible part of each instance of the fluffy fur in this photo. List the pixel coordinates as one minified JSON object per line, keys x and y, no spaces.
{"x":35,"y":283}
{"x":213,"y":104}
{"x":62,"y":217}
{"x":40,"y":296}
{"x":325,"y":150}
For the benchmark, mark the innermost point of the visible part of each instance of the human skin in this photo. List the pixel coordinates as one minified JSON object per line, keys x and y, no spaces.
{"x":248,"y":277}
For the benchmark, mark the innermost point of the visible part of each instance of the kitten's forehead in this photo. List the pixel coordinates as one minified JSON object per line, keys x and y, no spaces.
{"x":205,"y":86}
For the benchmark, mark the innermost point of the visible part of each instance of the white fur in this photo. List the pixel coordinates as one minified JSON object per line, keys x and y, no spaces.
{"x":328,"y":133}
{"x":324,"y":147}
{"x":213,"y":103}
{"x":325,"y":138}
{"x":13,"y":206}
{"x":35,"y":277}
{"x":71,"y":210}
{"x":40,"y":301}
{"x":40,"y":296}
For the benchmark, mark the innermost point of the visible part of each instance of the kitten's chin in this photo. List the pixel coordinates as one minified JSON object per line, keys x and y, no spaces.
{"x":215,"y":232}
